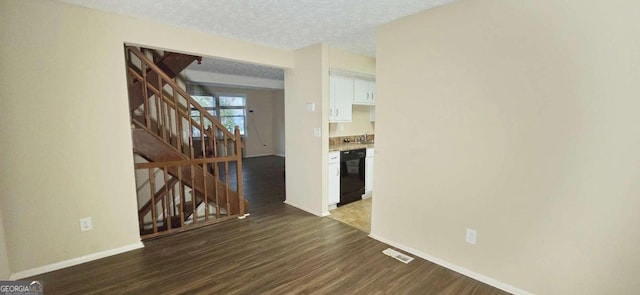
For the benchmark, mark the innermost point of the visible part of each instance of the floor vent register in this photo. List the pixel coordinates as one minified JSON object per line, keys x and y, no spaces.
{"x":397,"y":255}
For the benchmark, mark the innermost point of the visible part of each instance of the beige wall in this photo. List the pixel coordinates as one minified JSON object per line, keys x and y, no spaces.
{"x":66,"y":148}
{"x":278,"y":123}
{"x":523,"y":120}
{"x":351,"y":62}
{"x":260,"y":139}
{"x":5,"y":271}
{"x":307,"y":82}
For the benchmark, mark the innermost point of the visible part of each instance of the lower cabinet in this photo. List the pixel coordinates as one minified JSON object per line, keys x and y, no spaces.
{"x":334,"y":178}
{"x":368,"y":174}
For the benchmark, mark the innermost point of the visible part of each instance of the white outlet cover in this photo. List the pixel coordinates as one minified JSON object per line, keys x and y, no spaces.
{"x":471,"y":236}
{"x":317,"y":132}
{"x":86,"y":224}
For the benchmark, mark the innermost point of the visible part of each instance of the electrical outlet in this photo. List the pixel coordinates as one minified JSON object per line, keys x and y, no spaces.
{"x":317,"y":132}
{"x":471,"y":236}
{"x":85,"y":224}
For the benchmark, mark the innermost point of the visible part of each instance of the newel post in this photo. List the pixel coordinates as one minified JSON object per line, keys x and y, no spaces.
{"x":238,"y":146}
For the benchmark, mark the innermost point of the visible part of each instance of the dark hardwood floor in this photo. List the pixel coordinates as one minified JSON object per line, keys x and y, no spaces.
{"x":264,"y":183}
{"x":277,"y":250}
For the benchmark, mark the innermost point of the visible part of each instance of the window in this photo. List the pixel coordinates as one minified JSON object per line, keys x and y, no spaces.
{"x":232,"y":111}
{"x":229,"y":109}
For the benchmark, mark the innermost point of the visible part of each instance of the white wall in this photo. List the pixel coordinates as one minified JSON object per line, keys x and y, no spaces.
{"x":518,"y":119}
{"x":278,"y":123}
{"x":66,"y":148}
{"x":233,"y":80}
{"x":307,"y":82}
{"x":259,"y":138}
{"x":5,"y":271}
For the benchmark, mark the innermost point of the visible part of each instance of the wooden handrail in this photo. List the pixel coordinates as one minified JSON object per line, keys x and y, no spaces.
{"x":180,"y":91}
{"x":167,"y":219}
{"x":185,"y":162}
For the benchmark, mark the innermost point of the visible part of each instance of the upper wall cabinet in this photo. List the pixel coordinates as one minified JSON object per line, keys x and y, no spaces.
{"x":341,"y":98}
{"x":364,"y":92}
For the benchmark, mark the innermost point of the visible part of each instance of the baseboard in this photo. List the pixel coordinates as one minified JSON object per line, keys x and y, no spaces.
{"x":476,"y":276}
{"x":255,"y":156}
{"x":321,"y":214}
{"x":74,"y":261}
{"x":263,"y":155}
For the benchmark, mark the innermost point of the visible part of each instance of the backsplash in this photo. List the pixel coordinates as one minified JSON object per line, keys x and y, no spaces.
{"x":360,"y":123}
{"x":351,"y":138}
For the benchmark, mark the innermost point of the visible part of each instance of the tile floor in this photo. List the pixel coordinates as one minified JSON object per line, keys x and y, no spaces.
{"x":356,"y":214}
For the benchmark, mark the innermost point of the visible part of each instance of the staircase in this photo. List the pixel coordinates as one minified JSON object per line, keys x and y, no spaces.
{"x":170,"y":63}
{"x":182,"y":165}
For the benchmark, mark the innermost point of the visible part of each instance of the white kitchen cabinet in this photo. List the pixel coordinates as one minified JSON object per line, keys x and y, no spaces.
{"x":368,"y":174}
{"x":334,"y":178}
{"x":341,"y":98}
{"x":364,"y":92}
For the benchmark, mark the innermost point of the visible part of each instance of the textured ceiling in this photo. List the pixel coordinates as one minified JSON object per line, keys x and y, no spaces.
{"x":290,"y":24}
{"x":228,"y":67}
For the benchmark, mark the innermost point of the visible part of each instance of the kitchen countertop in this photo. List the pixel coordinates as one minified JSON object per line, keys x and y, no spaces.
{"x":349,"y":146}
